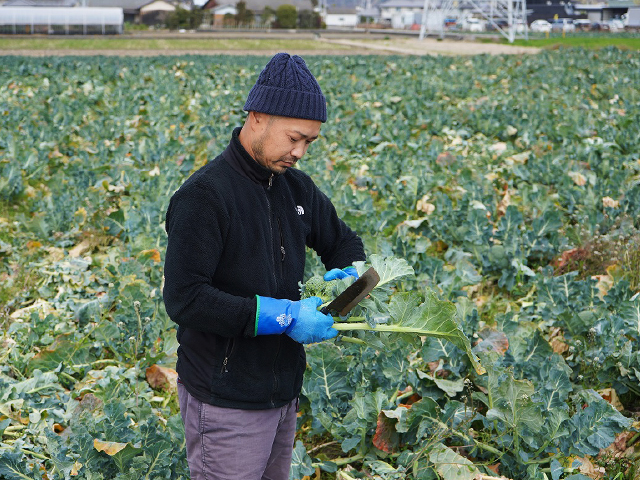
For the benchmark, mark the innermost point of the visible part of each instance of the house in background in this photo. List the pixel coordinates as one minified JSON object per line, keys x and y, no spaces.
{"x":155,"y":12}
{"x":369,"y":15}
{"x":341,"y":17}
{"x":218,"y":13}
{"x":130,"y":8}
{"x":401,"y":13}
{"x":258,"y":6}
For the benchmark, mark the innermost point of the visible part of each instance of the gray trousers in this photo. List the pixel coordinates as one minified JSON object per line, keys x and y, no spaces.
{"x":232,"y":444}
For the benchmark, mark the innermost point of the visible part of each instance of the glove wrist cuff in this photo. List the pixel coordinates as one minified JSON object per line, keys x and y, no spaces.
{"x":273,"y":316}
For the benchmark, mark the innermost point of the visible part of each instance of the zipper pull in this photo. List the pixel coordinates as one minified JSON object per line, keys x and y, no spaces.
{"x":270,"y":181}
{"x":282,"y":250}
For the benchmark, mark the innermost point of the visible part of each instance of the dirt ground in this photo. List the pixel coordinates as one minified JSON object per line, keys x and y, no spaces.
{"x":152,"y":53}
{"x":357,"y":46}
{"x":432,"y":46}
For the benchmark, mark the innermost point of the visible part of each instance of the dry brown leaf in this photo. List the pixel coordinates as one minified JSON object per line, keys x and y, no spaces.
{"x":610,"y":202}
{"x":446,"y":159}
{"x":33,"y":245}
{"x":605,"y":282}
{"x":41,"y":306}
{"x":76,"y":469}
{"x":80,"y":249}
{"x":519,"y":158}
{"x":589,"y":469}
{"x":578,"y":178}
{"x":574,"y":254}
{"x":386,"y":437}
{"x":55,"y":254}
{"x":153,"y":254}
{"x":504,"y":202}
{"x":423,"y":205}
{"x":557,"y":341}
{"x":492,"y":340}
{"x":162,"y":378}
{"x":499,"y":147}
{"x":611,"y":396}
{"x":619,"y":447}
{"x":110,"y":448}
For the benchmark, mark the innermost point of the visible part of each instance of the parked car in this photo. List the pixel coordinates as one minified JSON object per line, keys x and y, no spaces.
{"x":599,"y":27}
{"x":563,"y":25}
{"x":475,"y":25}
{"x":616,"y":25}
{"x":540,"y":26}
{"x":497,"y":24}
{"x":582,"y":24}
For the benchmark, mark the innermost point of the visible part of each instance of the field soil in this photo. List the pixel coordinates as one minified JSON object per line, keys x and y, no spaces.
{"x":335,"y":45}
{"x":432,"y":46}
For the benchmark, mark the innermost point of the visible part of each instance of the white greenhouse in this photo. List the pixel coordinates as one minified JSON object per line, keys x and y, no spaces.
{"x":61,"y":20}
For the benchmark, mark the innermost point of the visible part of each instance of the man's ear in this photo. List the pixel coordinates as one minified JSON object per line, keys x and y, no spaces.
{"x":258,"y":118}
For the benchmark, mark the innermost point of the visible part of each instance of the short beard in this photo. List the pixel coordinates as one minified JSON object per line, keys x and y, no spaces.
{"x":257,"y":147}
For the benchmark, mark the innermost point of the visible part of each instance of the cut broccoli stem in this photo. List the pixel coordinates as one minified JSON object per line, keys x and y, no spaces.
{"x":345,"y":326}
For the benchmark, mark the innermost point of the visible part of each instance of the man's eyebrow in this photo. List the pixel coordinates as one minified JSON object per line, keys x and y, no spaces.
{"x":304,"y":135}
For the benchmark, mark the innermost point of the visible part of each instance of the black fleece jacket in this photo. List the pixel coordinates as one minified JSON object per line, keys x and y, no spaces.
{"x":236,"y":231}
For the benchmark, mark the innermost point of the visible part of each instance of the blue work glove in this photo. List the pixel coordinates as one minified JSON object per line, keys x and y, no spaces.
{"x":336,"y":273}
{"x":301,"y":320}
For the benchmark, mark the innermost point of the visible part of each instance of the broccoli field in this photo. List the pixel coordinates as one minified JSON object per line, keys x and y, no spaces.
{"x":498,"y":196}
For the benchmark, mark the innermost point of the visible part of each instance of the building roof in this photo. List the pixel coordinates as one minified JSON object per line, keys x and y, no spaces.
{"x":259,"y":5}
{"x":369,"y":12}
{"x":341,"y":11}
{"x":124,"y":4}
{"x":402,"y":3}
{"x":39,"y":3}
{"x":224,"y":6}
{"x":61,"y":16}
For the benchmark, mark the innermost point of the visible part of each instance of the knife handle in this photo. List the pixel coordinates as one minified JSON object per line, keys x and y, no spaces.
{"x":324,"y":310}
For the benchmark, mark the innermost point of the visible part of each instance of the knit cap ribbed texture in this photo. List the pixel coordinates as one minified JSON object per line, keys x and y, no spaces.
{"x":286,"y":87}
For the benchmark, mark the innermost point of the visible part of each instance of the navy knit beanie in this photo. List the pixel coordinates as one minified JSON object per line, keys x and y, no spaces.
{"x":286,"y":87}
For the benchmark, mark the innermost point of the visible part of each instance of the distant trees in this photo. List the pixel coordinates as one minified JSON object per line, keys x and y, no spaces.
{"x":268,"y":15}
{"x":244,"y":16}
{"x":309,"y":19}
{"x":229,"y":20}
{"x":183,"y":18}
{"x":286,"y":16}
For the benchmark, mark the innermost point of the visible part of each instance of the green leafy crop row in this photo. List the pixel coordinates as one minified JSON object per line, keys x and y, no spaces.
{"x":494,"y":180}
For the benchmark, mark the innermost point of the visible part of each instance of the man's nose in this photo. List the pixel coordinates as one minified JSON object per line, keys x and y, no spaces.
{"x":299,"y":150}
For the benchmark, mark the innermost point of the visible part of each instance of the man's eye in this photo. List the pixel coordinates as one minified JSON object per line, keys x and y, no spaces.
{"x":293,"y":140}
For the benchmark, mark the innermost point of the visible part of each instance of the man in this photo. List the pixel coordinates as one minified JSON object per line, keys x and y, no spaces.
{"x":237,"y":230}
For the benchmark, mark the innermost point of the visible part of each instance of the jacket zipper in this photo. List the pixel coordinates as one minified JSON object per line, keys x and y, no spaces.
{"x":273,"y":370}
{"x":282,"y":254}
{"x":227,"y":354}
{"x":282,"y":251}
{"x":275,"y":277}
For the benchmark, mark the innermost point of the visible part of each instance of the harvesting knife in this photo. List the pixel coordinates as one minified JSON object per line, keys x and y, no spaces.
{"x":355,"y":292}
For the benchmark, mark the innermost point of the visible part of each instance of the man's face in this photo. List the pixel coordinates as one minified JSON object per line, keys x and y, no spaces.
{"x":283,"y":141}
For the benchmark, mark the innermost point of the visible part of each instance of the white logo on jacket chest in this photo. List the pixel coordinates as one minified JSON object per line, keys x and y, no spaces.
{"x":299,"y":210}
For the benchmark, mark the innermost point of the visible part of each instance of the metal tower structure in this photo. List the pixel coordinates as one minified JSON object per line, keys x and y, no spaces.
{"x":508,"y":17}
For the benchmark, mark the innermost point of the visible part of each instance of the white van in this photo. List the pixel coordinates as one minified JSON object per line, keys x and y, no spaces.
{"x":475,"y":25}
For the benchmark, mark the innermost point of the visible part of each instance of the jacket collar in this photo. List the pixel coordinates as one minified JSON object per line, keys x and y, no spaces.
{"x":244,"y":163}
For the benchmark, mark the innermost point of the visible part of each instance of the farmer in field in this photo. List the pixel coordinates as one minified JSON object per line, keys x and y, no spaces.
{"x":238,"y":229}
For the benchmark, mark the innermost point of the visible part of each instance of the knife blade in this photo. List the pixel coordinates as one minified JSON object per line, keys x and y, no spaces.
{"x":355,"y":292}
